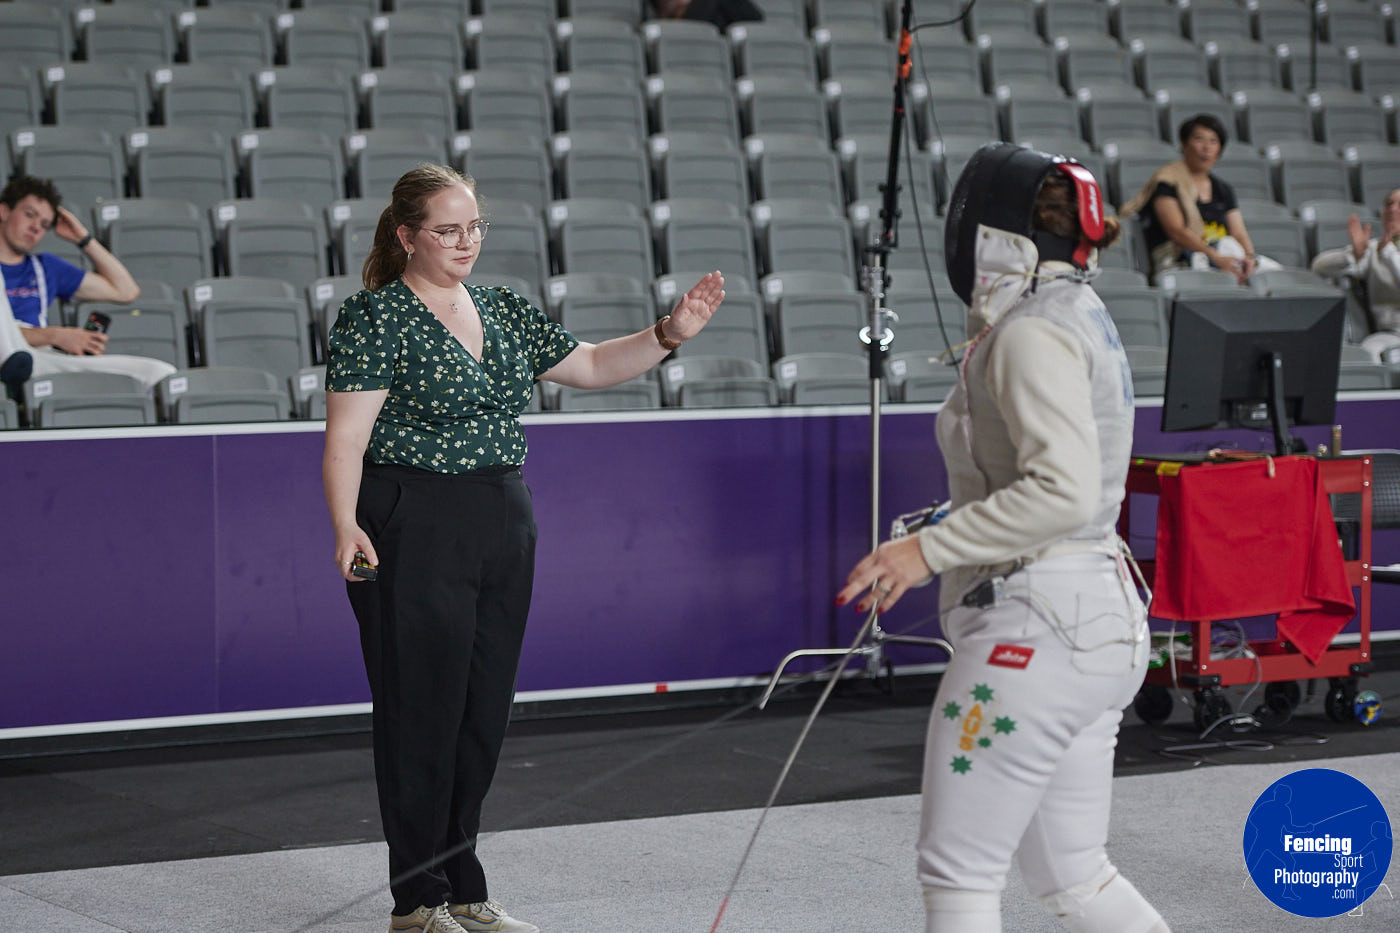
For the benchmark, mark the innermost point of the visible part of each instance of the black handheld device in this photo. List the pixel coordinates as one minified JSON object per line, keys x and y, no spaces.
{"x":98,"y":321}
{"x":362,"y":568}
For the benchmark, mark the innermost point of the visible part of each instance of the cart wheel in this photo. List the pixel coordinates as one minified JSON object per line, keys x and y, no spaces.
{"x":1280,"y":700}
{"x":1153,"y":704}
{"x":1367,"y":707}
{"x":1340,"y":700}
{"x":1211,"y":707}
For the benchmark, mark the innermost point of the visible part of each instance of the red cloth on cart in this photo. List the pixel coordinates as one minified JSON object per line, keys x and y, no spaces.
{"x":1233,"y":542}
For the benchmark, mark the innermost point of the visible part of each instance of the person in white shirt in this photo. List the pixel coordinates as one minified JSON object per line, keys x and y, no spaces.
{"x":1375,"y":262}
{"x":1049,"y":633}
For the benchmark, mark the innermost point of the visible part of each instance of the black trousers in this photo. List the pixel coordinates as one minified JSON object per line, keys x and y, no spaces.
{"x":441,"y":630}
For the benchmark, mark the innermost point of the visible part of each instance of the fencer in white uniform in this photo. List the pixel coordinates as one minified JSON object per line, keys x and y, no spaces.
{"x":1037,"y":592}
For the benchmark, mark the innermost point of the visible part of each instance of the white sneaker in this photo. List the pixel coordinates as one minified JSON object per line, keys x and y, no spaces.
{"x":426,"y":920}
{"x":488,"y":915}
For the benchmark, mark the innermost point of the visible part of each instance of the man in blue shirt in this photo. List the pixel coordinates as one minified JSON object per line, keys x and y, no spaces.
{"x":29,"y":209}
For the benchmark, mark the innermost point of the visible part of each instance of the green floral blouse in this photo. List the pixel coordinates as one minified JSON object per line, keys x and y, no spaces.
{"x":445,"y":411}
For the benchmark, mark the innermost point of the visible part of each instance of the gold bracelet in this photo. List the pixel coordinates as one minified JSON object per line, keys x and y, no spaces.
{"x":666,"y":342}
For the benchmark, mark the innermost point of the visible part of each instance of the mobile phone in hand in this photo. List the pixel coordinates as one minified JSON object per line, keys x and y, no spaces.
{"x":362,"y":568}
{"x":97,"y":321}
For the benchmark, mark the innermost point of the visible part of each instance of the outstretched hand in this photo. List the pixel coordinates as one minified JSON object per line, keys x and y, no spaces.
{"x":695,"y":308}
{"x":886,"y":573}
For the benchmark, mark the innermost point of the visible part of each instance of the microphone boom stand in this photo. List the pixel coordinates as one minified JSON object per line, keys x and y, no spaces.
{"x":877,"y":337}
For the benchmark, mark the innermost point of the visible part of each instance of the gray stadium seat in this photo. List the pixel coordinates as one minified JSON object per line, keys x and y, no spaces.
{"x":1180,"y":283}
{"x":1375,"y":66}
{"x":408,"y":99}
{"x":1374,"y":169}
{"x":324,"y":298}
{"x":222,"y":394}
{"x":1131,"y":19}
{"x":741,"y":331}
{"x":918,"y":376}
{"x":1002,"y":15}
{"x":959,"y":111}
{"x":1276,"y":233}
{"x":1246,"y":171}
{"x":1010,"y":57}
{"x":786,"y":13}
{"x":510,"y":168}
{"x":270,"y":238}
{"x":1238,"y":66}
{"x":589,"y":242}
{"x":1225,"y":21}
{"x":418,"y":40}
{"x":138,"y":37}
{"x":9,"y":415}
{"x":590,"y":164}
{"x":518,"y":248}
{"x":789,"y":166}
{"x":308,"y":98}
{"x":351,"y":224}
{"x":375,"y":159}
{"x":855,"y":52}
{"x":152,"y":326}
{"x":328,"y":39}
{"x":1041,"y":110}
{"x":600,"y":317}
{"x":184,"y":163}
{"x":307,"y":387}
{"x":1267,"y":115}
{"x":636,"y":394}
{"x":200,"y":96}
{"x":822,"y":379}
{"x":1131,"y":162}
{"x":282,"y":163}
{"x":1148,"y":366}
{"x":774,"y":104}
{"x":1277,"y":21}
{"x":513,"y":41}
{"x":157,"y":238}
{"x":86,"y":400}
{"x":1285,"y":282}
{"x":600,"y":45}
{"x":1306,"y":171}
{"x":1299,"y":71}
{"x":687,"y":45}
{"x":593,"y":290}
{"x":698,"y":165}
{"x":773,"y":48}
{"x":1342,"y":117}
{"x":237,"y":37}
{"x":545,"y":9}
{"x":504,"y":100}
{"x":1112,"y":113}
{"x":625,"y":10}
{"x":1346,"y":23}
{"x":716,"y":381}
{"x":811,"y":313}
{"x":1091,"y":59}
{"x":692,"y":103}
{"x":695,"y":232}
{"x":864,"y":166}
{"x":805,"y":234}
{"x":862,"y":107}
{"x":260,"y":333}
{"x":868,"y":13}
{"x":1325,"y":223}
{"x":33,"y":34}
{"x":96,"y":96}
{"x":361,"y":8}
{"x":599,"y":102}
{"x":1166,"y":61}
{"x":83,"y":162}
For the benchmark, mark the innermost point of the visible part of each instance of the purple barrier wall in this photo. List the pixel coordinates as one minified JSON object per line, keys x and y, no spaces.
{"x":189,"y":573}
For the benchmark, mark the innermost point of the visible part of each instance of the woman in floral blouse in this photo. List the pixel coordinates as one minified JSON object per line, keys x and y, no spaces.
{"x":426,"y":383}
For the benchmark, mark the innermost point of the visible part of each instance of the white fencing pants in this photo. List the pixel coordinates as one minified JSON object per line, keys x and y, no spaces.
{"x":1019,"y":759}
{"x":48,"y":361}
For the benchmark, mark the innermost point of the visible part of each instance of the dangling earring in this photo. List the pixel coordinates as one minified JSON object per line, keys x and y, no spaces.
{"x":410,"y":253}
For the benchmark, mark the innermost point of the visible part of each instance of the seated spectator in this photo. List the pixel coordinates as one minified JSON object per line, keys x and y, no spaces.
{"x":29,"y":345}
{"x":719,"y":12}
{"x":1375,"y":264}
{"x":1195,"y":221}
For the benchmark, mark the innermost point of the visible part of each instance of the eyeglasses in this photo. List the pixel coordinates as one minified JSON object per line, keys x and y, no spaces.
{"x":453,"y":237}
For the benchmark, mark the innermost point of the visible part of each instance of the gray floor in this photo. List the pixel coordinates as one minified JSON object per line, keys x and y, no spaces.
{"x":837,"y":866}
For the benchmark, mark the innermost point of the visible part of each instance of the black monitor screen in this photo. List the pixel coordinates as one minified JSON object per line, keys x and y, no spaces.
{"x":1219,"y":362}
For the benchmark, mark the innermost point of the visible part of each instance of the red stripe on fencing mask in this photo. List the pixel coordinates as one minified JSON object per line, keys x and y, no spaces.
{"x":1090,"y":198}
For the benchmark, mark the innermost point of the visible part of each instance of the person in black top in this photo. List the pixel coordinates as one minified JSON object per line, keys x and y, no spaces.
{"x":1194,"y":220}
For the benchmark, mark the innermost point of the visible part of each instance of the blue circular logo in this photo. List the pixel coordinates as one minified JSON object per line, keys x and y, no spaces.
{"x":1317,"y":843}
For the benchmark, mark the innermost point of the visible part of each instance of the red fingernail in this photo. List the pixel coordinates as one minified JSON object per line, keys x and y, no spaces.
{"x":840,"y":601}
